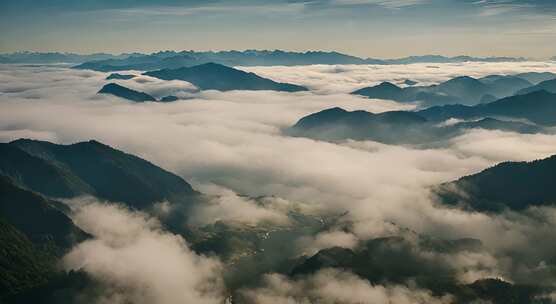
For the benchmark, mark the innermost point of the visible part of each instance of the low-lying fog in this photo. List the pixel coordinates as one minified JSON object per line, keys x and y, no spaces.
{"x":230,"y":143}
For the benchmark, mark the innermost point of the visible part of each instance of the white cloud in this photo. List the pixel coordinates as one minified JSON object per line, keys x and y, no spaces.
{"x":332,"y":286}
{"x":138,"y":261}
{"x":311,"y":245}
{"x":500,"y":146}
{"x":233,"y":140}
{"x":159,"y":88}
{"x":328,"y":79}
{"x":228,"y":207}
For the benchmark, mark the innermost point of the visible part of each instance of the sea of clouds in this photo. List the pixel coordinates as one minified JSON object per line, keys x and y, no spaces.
{"x":231,"y":144}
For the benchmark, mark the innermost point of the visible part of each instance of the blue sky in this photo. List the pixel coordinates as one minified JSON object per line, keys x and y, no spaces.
{"x":368,"y":28}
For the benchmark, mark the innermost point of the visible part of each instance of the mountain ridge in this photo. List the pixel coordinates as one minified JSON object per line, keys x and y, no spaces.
{"x":214,"y":76}
{"x":458,"y":90}
{"x":427,"y":126}
{"x":507,"y":185}
{"x":517,"y":107}
{"x":547,"y":85}
{"x":125,"y":93}
{"x":92,"y":168}
{"x":176,"y":59}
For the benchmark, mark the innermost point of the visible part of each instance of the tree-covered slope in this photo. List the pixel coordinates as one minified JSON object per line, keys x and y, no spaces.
{"x":92,"y":168}
{"x":509,"y":185}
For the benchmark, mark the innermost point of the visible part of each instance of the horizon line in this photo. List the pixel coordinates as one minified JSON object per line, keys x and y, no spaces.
{"x":263,"y":50}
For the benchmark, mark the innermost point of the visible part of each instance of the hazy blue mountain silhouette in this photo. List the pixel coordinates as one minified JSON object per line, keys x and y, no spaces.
{"x":538,"y":107}
{"x":169,"y":98}
{"x":140,"y":62}
{"x":536,"y":77}
{"x":213,"y":76}
{"x":338,"y":124}
{"x":505,"y":86}
{"x":444,"y":59}
{"x":173,"y":60}
{"x":126,"y":93}
{"x":397,"y":127}
{"x":487,"y":98}
{"x":548,"y":85}
{"x":464,"y":87}
{"x":496,"y":124}
{"x":120,"y":76}
{"x":459,"y":90}
{"x":385,"y":90}
{"x":491,"y":78}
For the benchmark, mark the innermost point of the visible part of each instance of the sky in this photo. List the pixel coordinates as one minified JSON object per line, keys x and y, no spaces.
{"x":366,"y":28}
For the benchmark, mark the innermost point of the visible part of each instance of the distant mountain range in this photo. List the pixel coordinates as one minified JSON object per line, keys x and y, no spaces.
{"x":536,"y":77}
{"x":464,"y":89}
{"x":509,"y":185}
{"x":173,"y":60}
{"x":208,"y":76}
{"x":213,"y":76}
{"x":547,"y":85}
{"x":538,"y":107}
{"x":423,"y":127}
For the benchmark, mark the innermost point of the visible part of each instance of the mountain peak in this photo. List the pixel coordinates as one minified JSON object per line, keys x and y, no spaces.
{"x":119,"y":76}
{"x":384,"y":90}
{"x":215,"y":76}
{"x":464,"y":80}
{"x":333,"y":110}
{"x":126,"y":93}
{"x":91,"y":167}
{"x":213,"y":65}
{"x":92,"y":143}
{"x":547,"y":86}
{"x":387,"y":84}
